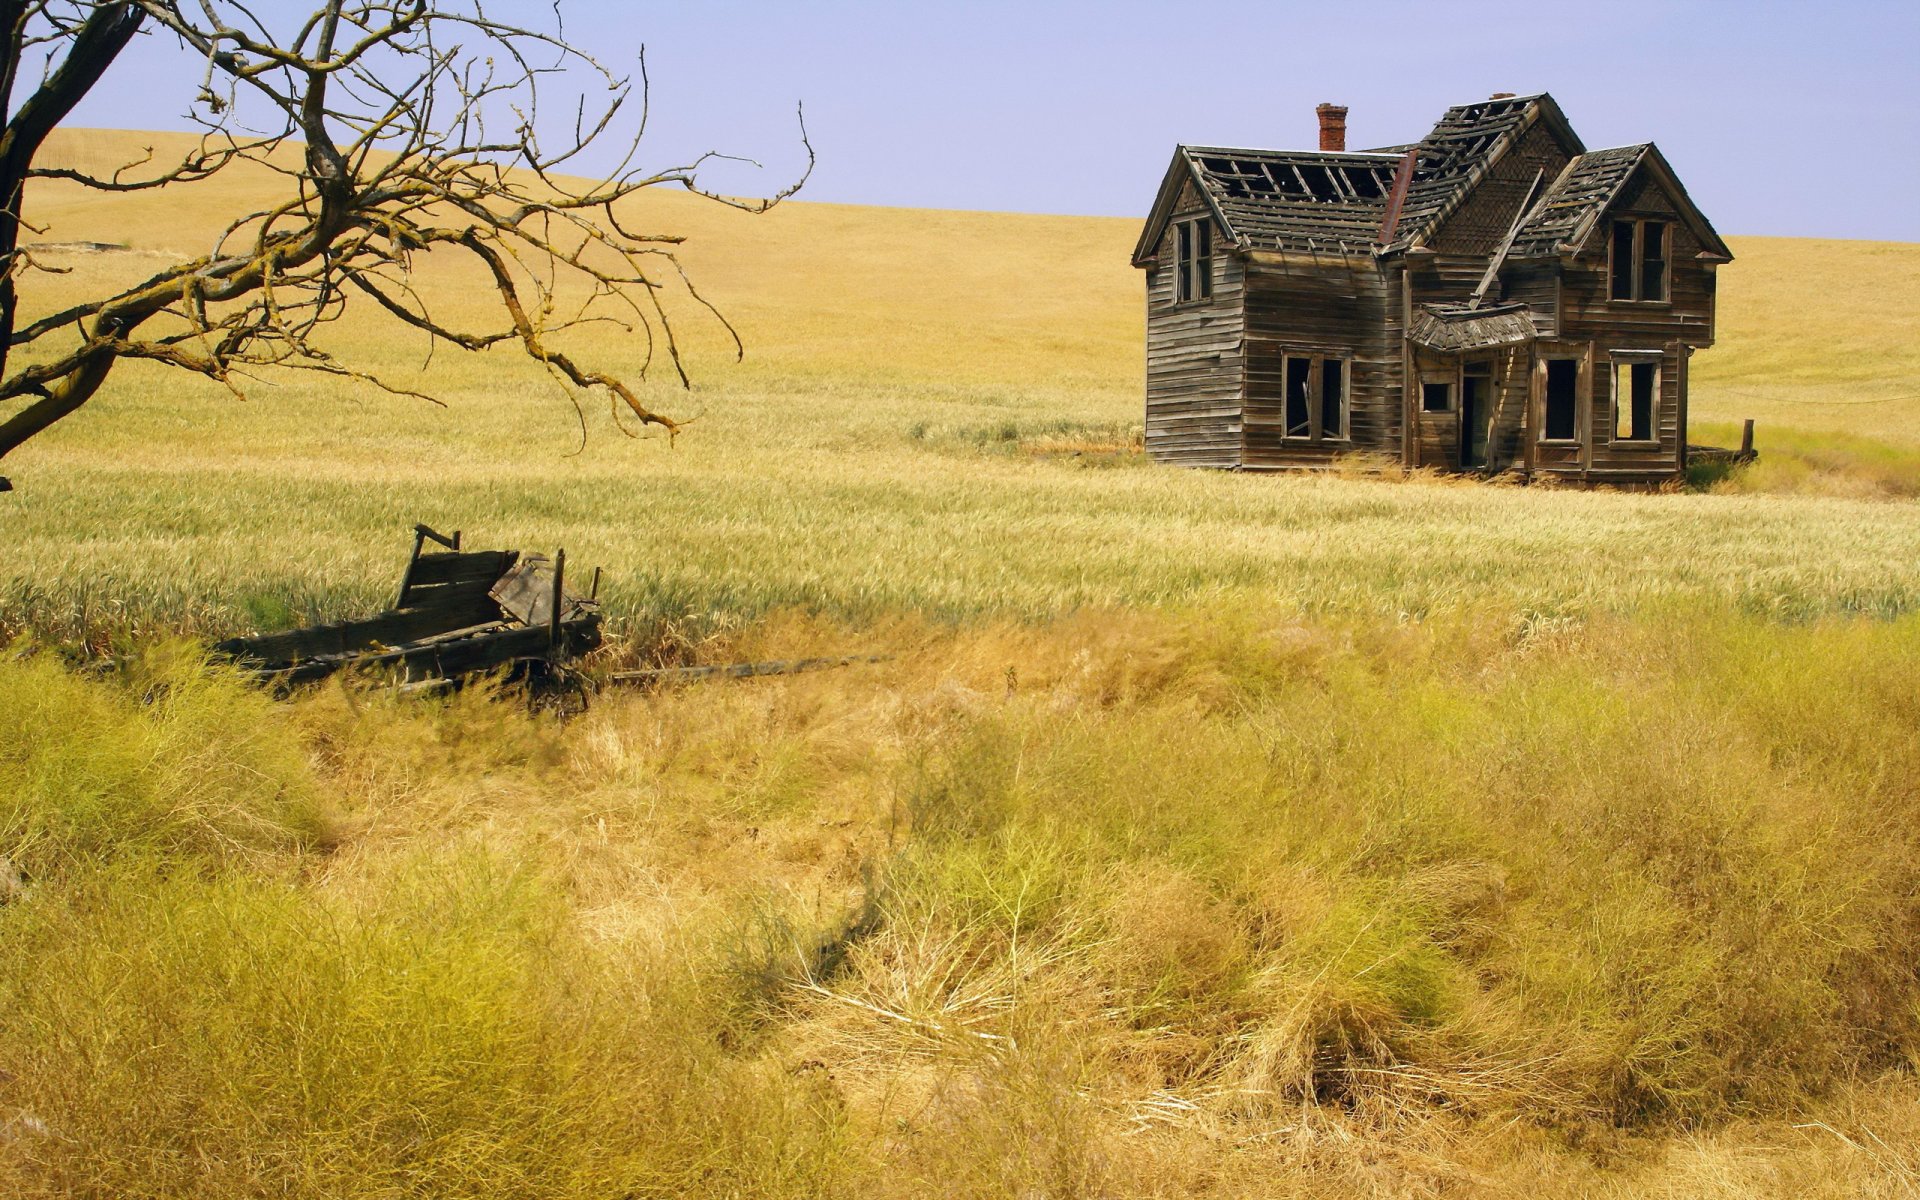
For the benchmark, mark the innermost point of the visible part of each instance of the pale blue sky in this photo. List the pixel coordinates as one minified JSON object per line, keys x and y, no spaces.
{"x":1781,"y":118}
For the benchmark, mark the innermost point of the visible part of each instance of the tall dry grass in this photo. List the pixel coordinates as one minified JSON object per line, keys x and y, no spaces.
{"x":1205,"y":835}
{"x":1123,"y":905}
{"x":917,"y":426}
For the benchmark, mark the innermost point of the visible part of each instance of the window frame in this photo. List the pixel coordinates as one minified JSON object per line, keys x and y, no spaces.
{"x":1617,"y":359}
{"x":1344,"y":402}
{"x":1446,"y":385}
{"x":1316,"y":434}
{"x":1193,"y":268}
{"x":1636,"y":272}
{"x":1579,"y":362}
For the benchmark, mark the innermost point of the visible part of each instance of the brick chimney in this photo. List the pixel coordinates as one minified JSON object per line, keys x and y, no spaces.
{"x":1333,"y":126}
{"x":1501,"y":96}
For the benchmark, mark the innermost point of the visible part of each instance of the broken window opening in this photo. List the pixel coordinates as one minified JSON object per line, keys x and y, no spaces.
{"x":1193,"y":260}
{"x":1636,"y":393}
{"x":1436,"y":397}
{"x":1299,"y":414}
{"x":1183,"y":262}
{"x":1333,"y":398}
{"x":1638,"y":260}
{"x":1653,"y":260}
{"x":1623,"y":260}
{"x":1316,"y":397}
{"x":1562,"y":400}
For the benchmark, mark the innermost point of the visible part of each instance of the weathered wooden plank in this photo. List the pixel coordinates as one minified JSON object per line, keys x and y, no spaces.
{"x":461,"y":568}
{"x":348,"y":637}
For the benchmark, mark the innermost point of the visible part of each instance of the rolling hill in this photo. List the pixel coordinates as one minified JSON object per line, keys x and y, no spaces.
{"x":1198,"y":835}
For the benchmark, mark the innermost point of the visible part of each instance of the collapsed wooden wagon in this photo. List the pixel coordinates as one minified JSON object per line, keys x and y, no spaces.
{"x":459,"y":613}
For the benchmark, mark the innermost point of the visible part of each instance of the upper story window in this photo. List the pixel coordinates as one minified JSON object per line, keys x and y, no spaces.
{"x":1193,"y":260}
{"x":1639,"y":260}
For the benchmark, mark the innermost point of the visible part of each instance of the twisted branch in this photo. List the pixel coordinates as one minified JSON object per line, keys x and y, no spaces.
{"x":417,"y":126}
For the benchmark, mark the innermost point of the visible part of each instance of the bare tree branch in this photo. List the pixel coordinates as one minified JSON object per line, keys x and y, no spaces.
{"x":419,"y":129}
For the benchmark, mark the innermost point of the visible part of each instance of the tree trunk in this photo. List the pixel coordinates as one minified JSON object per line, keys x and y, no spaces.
{"x":99,"y":40}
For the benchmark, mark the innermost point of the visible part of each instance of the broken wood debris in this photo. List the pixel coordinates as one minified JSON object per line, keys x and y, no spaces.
{"x":739,"y":670}
{"x":1721,"y":454}
{"x":459,"y":613}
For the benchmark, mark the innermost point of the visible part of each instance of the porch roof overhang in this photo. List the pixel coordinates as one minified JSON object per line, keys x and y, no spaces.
{"x":1452,"y":329}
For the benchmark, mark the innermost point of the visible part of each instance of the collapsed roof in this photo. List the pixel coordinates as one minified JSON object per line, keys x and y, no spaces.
{"x":1385,"y":201}
{"x":1450,"y":328}
{"x":1566,"y":214}
{"x":1296,"y":199}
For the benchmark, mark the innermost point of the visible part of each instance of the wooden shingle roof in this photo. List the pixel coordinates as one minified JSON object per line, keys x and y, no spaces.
{"x":1298,"y":200}
{"x":1573,"y":202}
{"x":1564,"y":217}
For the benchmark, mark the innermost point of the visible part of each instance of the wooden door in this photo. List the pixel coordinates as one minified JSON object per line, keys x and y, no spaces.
{"x":1476,"y":392}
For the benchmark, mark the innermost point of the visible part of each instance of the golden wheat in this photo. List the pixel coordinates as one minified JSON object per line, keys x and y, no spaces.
{"x":1332,"y":837}
{"x":902,"y":435}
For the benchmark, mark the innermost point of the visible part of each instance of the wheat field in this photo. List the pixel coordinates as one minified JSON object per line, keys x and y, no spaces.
{"x":902,"y":436}
{"x":1201,"y":835}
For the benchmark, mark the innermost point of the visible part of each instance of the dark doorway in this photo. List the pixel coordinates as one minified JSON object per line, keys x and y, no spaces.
{"x":1476,"y":388}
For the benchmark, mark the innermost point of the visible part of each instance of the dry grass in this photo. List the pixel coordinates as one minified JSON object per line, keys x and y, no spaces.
{"x":1206,"y":835}
{"x":912,"y":430}
{"x":1125,"y":905}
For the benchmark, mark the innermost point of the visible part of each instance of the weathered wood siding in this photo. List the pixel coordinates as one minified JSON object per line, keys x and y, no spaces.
{"x":1468,"y":238}
{"x":1333,"y":307}
{"x":1438,"y":434}
{"x":1195,"y":355}
{"x":1535,"y":283}
{"x":1476,"y":229}
{"x":1684,"y":320}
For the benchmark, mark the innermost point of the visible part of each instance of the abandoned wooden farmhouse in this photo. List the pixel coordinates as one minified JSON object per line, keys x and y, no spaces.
{"x":1493,"y":298}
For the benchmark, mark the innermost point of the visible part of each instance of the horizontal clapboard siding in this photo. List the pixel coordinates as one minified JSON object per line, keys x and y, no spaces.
{"x":1332,"y":309}
{"x":1685,"y":319}
{"x":1195,"y":357}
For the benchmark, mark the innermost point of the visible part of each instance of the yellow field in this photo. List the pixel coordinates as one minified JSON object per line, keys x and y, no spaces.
{"x":1204,"y":835}
{"x":886,"y":443}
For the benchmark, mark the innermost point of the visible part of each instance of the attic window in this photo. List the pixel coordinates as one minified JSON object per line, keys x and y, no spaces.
{"x":1193,"y":260}
{"x":1638,"y":257}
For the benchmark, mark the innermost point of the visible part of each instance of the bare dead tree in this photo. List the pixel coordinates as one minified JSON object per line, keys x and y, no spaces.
{"x":418,"y":127}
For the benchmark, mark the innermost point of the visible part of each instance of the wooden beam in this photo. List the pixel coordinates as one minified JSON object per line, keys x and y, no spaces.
{"x":1402,"y":180}
{"x":1506,"y":243}
{"x":406,"y":580}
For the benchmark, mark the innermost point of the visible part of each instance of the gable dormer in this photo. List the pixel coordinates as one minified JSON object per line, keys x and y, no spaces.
{"x":1479,"y":225}
{"x":1180,"y":198}
{"x":1474,"y":168}
{"x":1627,"y":183}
